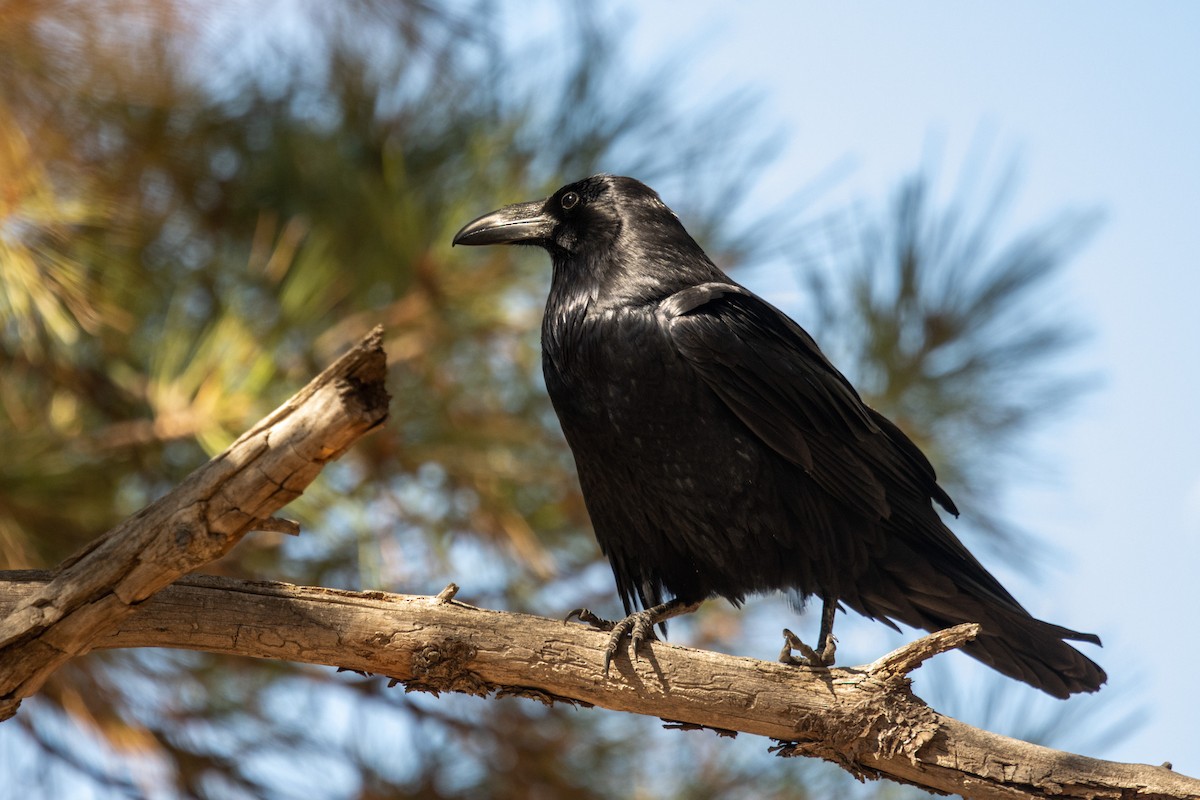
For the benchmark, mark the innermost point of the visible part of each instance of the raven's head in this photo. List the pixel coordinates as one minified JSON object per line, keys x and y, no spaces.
{"x":588,"y":214}
{"x":611,"y":239}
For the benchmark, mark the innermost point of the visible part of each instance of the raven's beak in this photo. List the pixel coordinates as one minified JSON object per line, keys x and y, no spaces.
{"x":525,"y":223}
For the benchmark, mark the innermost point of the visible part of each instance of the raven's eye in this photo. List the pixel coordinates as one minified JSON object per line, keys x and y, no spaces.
{"x":570,"y":200}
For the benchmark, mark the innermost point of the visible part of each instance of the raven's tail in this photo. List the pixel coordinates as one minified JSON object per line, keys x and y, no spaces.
{"x":1010,"y":641}
{"x":1033,"y":651}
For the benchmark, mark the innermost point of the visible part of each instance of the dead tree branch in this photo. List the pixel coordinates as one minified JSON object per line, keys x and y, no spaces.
{"x":864,"y":719}
{"x":124,"y":590}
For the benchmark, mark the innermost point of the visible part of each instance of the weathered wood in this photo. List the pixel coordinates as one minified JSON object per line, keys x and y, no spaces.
{"x":119,"y":592}
{"x":206,"y":515}
{"x":865,"y":718}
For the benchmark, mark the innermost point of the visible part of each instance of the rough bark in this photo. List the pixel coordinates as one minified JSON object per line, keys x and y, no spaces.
{"x":865,"y":719}
{"x":200,"y":520}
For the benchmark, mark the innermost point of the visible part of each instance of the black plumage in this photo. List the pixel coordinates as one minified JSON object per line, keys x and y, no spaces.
{"x":721,"y":454}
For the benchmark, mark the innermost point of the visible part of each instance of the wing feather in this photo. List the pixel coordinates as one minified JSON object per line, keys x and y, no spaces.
{"x":772,"y":375}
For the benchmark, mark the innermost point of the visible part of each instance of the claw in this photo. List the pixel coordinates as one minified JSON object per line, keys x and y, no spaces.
{"x":829,"y":651}
{"x":639,"y":626}
{"x":808,"y":656}
{"x":825,"y":640}
{"x":586,"y":616}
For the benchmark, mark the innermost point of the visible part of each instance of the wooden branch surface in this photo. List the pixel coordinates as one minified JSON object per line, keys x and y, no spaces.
{"x":200,"y":520}
{"x":864,"y":719}
{"x":111,"y":594}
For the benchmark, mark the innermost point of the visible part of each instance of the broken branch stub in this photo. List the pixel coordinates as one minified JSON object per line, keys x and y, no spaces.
{"x":200,"y":520}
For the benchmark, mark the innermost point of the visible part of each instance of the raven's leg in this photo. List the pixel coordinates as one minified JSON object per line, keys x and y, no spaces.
{"x":826,"y":642}
{"x":639,"y":625}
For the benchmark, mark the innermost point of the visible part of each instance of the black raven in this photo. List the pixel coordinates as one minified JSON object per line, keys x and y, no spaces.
{"x":721,"y":453}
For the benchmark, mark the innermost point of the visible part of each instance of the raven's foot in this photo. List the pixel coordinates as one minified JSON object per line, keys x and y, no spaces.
{"x":808,"y":657}
{"x":638,"y":626}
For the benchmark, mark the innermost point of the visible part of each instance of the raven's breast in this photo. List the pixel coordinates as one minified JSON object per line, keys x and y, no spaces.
{"x":683,"y":497}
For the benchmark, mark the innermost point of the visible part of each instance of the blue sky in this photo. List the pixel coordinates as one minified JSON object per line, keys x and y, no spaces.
{"x":1101,"y":104}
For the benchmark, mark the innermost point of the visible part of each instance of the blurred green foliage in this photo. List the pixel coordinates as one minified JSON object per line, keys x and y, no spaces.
{"x":200,"y":206}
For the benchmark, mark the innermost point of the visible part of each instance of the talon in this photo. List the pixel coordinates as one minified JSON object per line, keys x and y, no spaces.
{"x":619,"y":630}
{"x":586,"y":616}
{"x":643,"y":629}
{"x":808,"y":656}
{"x":610,"y":651}
{"x":829,"y":651}
{"x":790,"y":642}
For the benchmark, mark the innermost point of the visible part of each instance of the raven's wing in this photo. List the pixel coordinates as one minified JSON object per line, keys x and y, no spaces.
{"x":772,"y":375}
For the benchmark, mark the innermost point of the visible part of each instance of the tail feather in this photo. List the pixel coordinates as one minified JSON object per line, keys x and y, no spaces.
{"x":1011,"y":641}
{"x":926,"y":578}
{"x":1033,"y":651}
